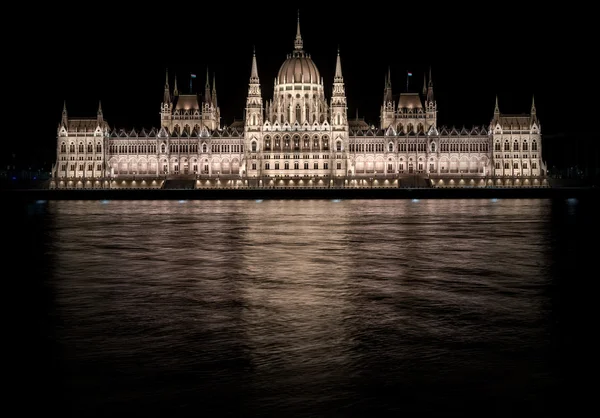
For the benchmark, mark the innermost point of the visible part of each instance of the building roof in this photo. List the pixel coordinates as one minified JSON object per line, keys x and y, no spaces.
{"x":85,"y":124}
{"x":507,"y":121}
{"x":410,"y":100}
{"x":187,"y":102}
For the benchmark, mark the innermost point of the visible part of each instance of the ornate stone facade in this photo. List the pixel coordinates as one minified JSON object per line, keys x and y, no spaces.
{"x":299,"y":139}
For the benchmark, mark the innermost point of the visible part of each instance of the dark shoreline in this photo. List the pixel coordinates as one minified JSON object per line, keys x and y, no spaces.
{"x":333,"y":193}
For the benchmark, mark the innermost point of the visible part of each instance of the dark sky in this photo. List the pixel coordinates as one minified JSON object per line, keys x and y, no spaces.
{"x":119,"y":56}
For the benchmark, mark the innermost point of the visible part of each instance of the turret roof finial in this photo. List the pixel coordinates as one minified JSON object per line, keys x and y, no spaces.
{"x":254,"y":70}
{"x":298,"y":42}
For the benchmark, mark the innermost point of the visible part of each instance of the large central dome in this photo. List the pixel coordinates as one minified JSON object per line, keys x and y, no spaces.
{"x":298,"y":67}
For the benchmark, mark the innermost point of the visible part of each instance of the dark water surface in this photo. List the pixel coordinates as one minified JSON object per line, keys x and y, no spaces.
{"x":304,"y":308}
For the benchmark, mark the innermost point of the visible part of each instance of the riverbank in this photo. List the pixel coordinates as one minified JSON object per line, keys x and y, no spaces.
{"x":298,"y":193}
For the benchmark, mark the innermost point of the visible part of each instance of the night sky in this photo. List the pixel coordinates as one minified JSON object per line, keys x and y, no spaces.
{"x":120,"y":56}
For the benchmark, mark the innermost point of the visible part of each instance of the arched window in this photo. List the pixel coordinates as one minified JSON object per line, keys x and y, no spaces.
{"x":298,"y":113}
{"x":63,"y":147}
{"x":163,"y":148}
{"x":253,"y":146}
{"x":338,"y":146}
{"x":203,"y":147}
{"x":81,"y":147}
{"x":390,"y":147}
{"x":90,"y":148}
{"x":534,"y":145}
{"x":433,"y":147}
{"x":525,"y":147}
{"x":71,"y":147}
{"x":506,"y":146}
{"x":98,"y":147}
{"x":497,"y":146}
{"x":516,"y":146}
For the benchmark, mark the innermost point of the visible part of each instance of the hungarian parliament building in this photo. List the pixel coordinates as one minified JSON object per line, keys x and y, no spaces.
{"x":299,"y":139}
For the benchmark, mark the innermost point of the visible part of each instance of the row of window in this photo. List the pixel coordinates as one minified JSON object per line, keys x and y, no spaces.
{"x":286,"y":165}
{"x":90,"y":167}
{"x":497,"y":146}
{"x":497,"y":156}
{"x":472,"y":147}
{"x":81,"y":147}
{"x":515,"y":165}
{"x":173,"y":148}
{"x":297,"y":156}
{"x":286,"y":144}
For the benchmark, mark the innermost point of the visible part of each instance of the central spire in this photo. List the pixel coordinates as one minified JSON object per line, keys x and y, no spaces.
{"x":298,"y":42}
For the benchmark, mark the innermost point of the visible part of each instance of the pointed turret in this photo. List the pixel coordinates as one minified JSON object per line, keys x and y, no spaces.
{"x":430,"y":97}
{"x":387,"y":96}
{"x":254,"y":71}
{"x":424,"y":84}
{"x":534,"y":119}
{"x":207,"y":98}
{"x":254,"y":103}
{"x":338,"y":99}
{"x":64,"y":118}
{"x":100,"y":115}
{"x":388,"y":108}
{"x":338,"y":68}
{"x":298,"y":45}
{"x":175,"y":91}
{"x":167,"y":95}
{"x":214,"y":90}
{"x":496,"y":108}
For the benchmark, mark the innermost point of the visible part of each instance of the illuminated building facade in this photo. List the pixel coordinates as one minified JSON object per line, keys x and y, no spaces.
{"x":299,"y":139}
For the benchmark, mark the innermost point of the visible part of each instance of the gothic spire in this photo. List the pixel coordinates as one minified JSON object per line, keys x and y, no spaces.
{"x":430,"y":97}
{"x":496,"y":108}
{"x":214,"y":90}
{"x":387,"y":97}
{"x":207,"y":98}
{"x":254,"y":71}
{"x":533,"y":110}
{"x":338,"y":68}
{"x":64,"y":113}
{"x":167,"y":95}
{"x":175,"y":91}
{"x":100,"y":115}
{"x":298,"y":42}
{"x":424,"y":84}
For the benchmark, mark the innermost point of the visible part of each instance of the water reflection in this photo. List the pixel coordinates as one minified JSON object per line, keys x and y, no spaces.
{"x":291,"y":307}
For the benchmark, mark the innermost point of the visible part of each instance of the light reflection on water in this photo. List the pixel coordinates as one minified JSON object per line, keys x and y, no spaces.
{"x":346,"y":308}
